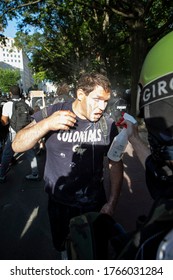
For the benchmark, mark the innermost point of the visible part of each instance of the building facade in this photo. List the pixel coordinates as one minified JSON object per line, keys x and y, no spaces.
{"x":13,"y":58}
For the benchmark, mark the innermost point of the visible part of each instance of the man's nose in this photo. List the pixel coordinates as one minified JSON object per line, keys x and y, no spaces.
{"x":101,"y":104}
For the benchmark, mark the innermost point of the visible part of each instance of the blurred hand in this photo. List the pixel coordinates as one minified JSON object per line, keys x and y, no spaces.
{"x":107,"y":209}
{"x":61,"y":120}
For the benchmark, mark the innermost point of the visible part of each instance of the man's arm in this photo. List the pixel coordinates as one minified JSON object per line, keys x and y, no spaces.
{"x":4,"y":120}
{"x":27,"y":137}
{"x":116,"y":180}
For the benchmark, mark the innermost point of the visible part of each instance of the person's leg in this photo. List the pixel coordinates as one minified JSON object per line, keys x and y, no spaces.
{"x":30,"y":155}
{"x":6,"y":158}
{"x":59,"y":217}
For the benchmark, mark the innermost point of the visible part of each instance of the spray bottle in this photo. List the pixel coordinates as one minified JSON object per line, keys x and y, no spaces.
{"x":120,"y":141}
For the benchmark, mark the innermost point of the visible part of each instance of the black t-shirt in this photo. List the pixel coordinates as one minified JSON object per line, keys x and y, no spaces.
{"x":74,"y":159}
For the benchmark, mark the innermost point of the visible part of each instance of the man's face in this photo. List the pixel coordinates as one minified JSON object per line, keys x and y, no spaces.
{"x":95,"y":103}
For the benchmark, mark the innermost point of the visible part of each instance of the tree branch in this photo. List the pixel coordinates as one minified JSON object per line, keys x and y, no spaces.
{"x":21,"y":6}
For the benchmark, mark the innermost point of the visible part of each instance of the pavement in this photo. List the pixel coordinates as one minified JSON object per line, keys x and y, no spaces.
{"x":135,"y":199}
{"x":24,"y":224}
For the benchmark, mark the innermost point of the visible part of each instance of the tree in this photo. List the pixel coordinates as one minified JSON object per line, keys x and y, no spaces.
{"x":39,"y":77}
{"x":76,"y":39}
{"x":11,"y":9}
{"x":8,"y":77}
{"x":110,"y":36}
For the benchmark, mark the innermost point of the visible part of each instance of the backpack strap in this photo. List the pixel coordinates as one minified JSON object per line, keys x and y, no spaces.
{"x":45,"y":113}
{"x":104,"y":128}
{"x":14,"y":103}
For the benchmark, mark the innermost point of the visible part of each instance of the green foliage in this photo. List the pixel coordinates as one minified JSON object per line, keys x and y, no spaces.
{"x":8,"y":78}
{"x":112,"y":37}
{"x":39,"y":77}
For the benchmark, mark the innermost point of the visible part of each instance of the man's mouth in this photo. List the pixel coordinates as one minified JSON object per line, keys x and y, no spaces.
{"x":98,"y":115}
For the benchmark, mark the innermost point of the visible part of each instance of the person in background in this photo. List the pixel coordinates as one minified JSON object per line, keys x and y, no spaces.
{"x":77,"y":138}
{"x":62,"y":93}
{"x":8,"y":153}
{"x":3,"y":129}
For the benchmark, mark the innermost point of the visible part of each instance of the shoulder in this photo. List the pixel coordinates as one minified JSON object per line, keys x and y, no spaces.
{"x":63,"y":105}
{"x":27,"y":102}
{"x":51,"y":109}
{"x":7,"y":104}
{"x":67,"y":105}
{"x":7,"y":108}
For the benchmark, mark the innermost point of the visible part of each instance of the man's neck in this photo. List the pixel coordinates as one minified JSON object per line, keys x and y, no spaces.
{"x":77,"y":109}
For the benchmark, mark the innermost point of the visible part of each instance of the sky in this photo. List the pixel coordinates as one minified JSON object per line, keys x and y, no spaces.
{"x":11,"y":29}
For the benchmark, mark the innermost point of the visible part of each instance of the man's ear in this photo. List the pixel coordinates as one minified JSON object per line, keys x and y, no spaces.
{"x":80,"y":94}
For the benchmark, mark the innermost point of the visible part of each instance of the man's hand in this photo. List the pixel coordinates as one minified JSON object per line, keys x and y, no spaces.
{"x":61,"y":120}
{"x":107,"y":209}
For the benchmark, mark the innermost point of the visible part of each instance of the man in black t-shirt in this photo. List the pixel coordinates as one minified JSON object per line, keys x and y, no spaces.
{"x":77,"y":137}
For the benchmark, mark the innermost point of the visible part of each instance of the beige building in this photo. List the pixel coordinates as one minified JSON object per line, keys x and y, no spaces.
{"x":13,"y":58}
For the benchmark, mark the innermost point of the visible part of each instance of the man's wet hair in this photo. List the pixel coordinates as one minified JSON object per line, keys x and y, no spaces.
{"x":88,"y":81}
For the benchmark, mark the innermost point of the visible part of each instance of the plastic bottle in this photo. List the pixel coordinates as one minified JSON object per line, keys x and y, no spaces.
{"x":120,"y":142}
{"x":118,"y":146}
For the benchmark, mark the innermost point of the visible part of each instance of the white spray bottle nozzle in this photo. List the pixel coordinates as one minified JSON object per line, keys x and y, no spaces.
{"x":129,"y":118}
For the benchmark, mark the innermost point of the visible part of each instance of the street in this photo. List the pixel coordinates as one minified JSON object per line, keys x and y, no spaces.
{"x":25,"y":232}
